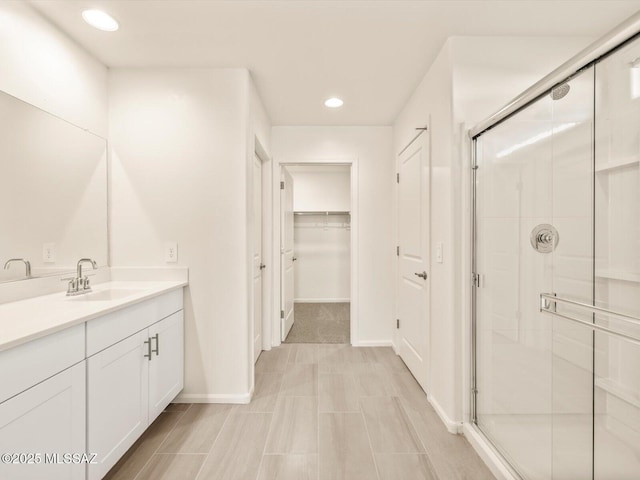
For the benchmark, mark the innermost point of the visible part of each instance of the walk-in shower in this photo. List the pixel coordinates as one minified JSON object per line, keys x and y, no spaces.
{"x":557,"y":254}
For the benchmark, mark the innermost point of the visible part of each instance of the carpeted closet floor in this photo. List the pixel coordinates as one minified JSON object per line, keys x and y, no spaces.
{"x":320,"y":323}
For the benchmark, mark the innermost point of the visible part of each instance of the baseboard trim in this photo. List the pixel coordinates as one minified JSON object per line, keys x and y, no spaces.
{"x":374,"y":343}
{"x":452,"y":427}
{"x":321,"y":300}
{"x":487,"y":453}
{"x":213,"y":398}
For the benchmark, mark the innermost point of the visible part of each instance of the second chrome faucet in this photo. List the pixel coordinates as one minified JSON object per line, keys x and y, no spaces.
{"x":80,"y":284}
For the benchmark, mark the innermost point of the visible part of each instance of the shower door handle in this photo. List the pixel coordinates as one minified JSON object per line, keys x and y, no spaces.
{"x":422,"y":275}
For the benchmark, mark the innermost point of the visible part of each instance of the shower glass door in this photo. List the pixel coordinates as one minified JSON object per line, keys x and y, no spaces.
{"x":534,"y":235}
{"x":557,"y":251}
{"x":617,"y":265}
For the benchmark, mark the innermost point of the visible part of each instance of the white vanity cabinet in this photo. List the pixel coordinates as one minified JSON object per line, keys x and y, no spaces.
{"x":90,"y":388}
{"x":132,"y":381}
{"x":42,"y":406}
{"x":117,"y":394}
{"x":43,"y":423}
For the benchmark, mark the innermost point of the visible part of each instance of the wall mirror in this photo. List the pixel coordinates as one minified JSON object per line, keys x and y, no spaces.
{"x":53,"y":192}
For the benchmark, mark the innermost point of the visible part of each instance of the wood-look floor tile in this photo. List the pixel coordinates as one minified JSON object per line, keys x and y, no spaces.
{"x":452,"y":457}
{"x":274,"y":360}
{"x":197,"y":429}
{"x":289,"y":467}
{"x":388,"y":358}
{"x":172,"y":467}
{"x":337,"y":393}
{"x":300,"y":380}
{"x":177,"y":407}
{"x":389,"y":427}
{"x":294,"y":428}
{"x":332,"y":353}
{"x":372,"y":380}
{"x":141,"y":451}
{"x":409,"y":390}
{"x":237,"y":452}
{"x":304,"y":353}
{"x":265,"y":394}
{"x":358,"y":354}
{"x":345,"y":453}
{"x":393,"y":466}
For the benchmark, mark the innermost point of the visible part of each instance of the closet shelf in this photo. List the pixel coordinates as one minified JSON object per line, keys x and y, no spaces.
{"x":615,"y":164}
{"x":330,"y":212}
{"x":618,"y":275}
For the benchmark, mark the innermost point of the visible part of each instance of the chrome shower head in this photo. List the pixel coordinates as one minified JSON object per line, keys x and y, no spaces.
{"x":560,"y":91}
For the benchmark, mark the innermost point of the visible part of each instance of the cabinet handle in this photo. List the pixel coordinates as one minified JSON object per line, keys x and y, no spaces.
{"x":157,"y":350}
{"x":148,"y":343}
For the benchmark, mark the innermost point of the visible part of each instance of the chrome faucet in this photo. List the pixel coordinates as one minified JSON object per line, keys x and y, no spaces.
{"x":80,"y":284}
{"x":27,"y":265}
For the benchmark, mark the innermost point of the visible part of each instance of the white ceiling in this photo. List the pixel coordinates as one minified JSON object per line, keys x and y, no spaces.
{"x":370,"y":53}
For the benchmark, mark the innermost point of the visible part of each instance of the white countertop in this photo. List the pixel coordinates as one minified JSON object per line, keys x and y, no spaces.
{"x":26,"y":320}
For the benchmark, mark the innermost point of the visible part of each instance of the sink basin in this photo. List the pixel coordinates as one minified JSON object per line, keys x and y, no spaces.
{"x":106,"y":295}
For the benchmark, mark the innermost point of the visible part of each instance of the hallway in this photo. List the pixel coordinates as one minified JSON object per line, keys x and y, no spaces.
{"x":319,"y":412}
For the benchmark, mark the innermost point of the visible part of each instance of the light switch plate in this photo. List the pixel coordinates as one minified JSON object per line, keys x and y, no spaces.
{"x":439,"y":252}
{"x":49,"y":253}
{"x":171,"y":252}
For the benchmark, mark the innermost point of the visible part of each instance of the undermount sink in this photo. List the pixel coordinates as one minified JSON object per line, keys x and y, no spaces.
{"x":106,"y":295}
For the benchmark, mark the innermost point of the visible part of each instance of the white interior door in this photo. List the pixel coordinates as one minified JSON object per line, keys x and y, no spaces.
{"x":258,"y":266}
{"x":286,"y":252}
{"x":413,"y":268}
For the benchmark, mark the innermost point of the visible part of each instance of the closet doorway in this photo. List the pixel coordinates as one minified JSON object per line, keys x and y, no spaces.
{"x":316,"y":236}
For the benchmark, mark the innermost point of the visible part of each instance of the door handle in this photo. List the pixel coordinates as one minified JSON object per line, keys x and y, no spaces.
{"x":157,"y":349}
{"x":422,"y":275}
{"x":262,"y":266}
{"x":148,"y":343}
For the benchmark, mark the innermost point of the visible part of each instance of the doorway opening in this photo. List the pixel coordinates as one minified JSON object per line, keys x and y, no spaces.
{"x":316,"y":237}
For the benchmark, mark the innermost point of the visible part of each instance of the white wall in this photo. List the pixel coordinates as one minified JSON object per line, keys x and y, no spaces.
{"x":180,"y":146}
{"x":471,"y":78}
{"x":372,"y":148}
{"x":42,"y":66}
{"x":321,"y":188}
{"x":431,"y":105}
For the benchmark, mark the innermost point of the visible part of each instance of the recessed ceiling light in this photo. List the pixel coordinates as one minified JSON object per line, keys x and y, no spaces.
{"x":333,"y":102}
{"x":100,"y":20}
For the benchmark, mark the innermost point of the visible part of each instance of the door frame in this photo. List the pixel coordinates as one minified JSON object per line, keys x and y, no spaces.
{"x":353,"y":253}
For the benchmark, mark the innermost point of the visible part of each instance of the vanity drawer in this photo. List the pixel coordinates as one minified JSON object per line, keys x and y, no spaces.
{"x":24,"y":366}
{"x":105,"y":331}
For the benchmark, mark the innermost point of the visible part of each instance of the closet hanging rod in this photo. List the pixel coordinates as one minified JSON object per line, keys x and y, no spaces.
{"x":322,"y":213}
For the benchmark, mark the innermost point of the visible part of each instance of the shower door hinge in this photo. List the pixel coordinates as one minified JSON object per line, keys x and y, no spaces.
{"x":281,"y":313}
{"x":475,"y":280}
{"x":281,"y":185}
{"x":397,"y":178}
{"x":398,"y":251}
{"x":397,"y":323}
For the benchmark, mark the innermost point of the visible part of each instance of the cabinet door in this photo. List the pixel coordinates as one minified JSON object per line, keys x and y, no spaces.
{"x":117,"y":400}
{"x":166,"y":368}
{"x":48,"y":419}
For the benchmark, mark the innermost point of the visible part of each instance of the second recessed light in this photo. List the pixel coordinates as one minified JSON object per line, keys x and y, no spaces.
{"x":100,"y":20}
{"x":333,"y":102}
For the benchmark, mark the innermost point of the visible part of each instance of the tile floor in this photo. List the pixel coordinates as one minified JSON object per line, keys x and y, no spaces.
{"x":319,"y":412}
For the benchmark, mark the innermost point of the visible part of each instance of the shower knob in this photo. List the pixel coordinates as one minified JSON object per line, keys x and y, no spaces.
{"x":544,"y":238}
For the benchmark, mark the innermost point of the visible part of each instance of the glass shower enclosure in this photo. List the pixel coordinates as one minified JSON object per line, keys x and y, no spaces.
{"x":557,"y":268}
